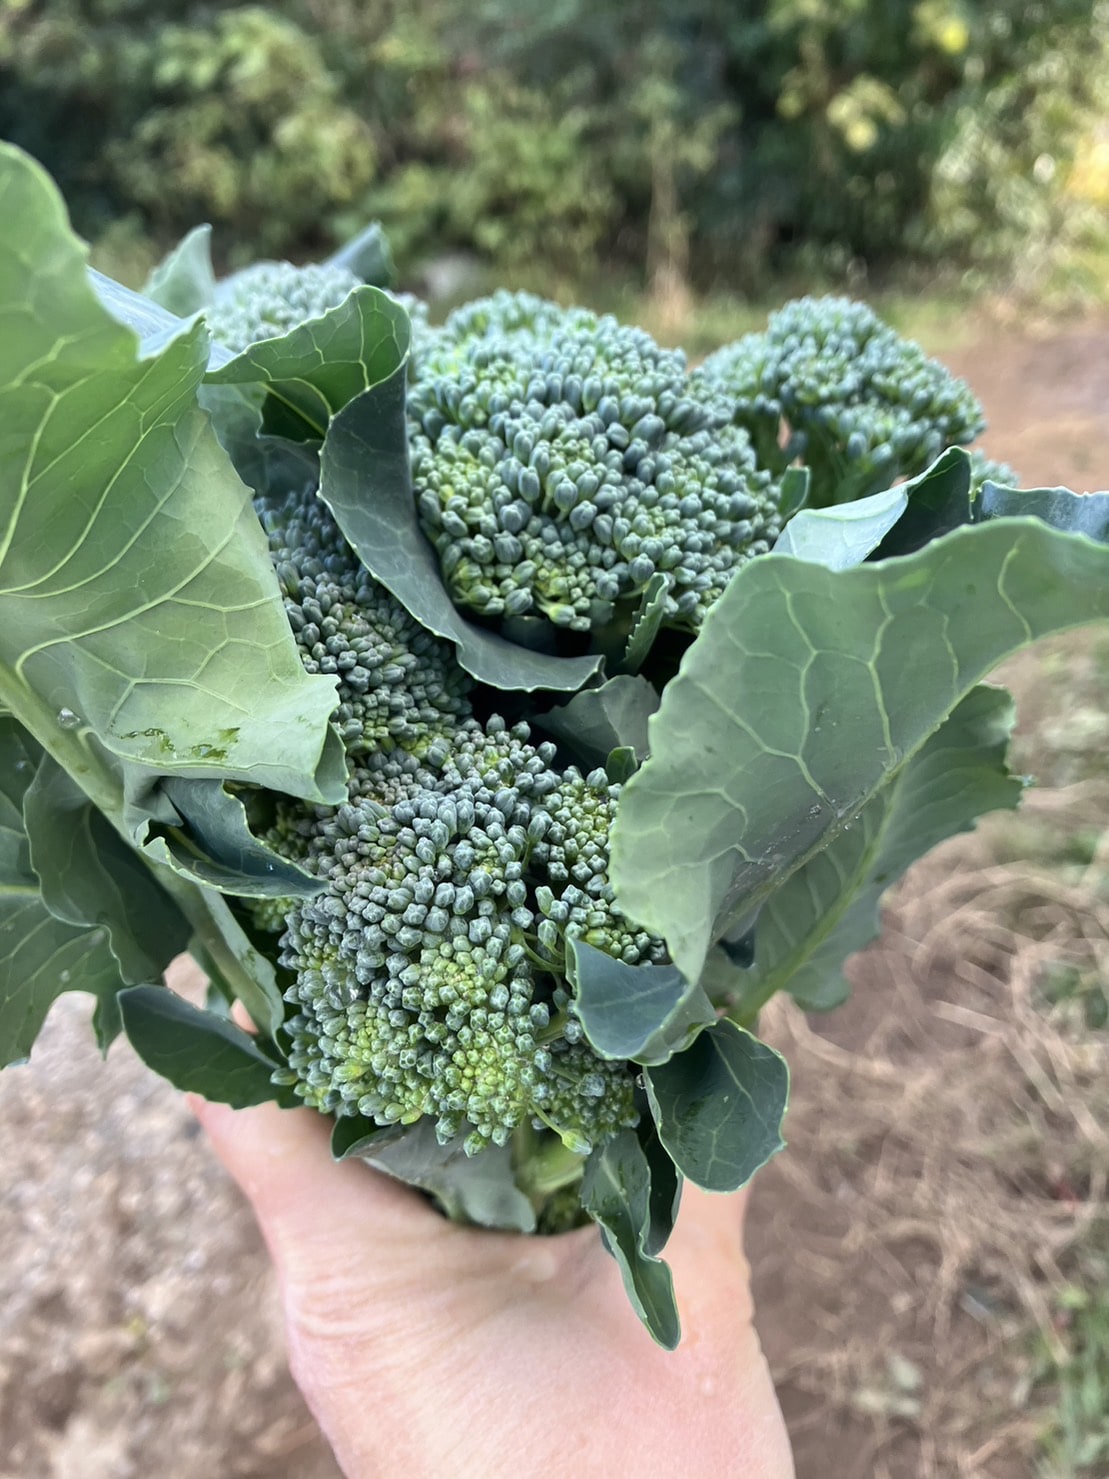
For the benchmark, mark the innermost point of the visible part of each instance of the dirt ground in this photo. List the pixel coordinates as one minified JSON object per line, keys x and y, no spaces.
{"x":139,"y":1332}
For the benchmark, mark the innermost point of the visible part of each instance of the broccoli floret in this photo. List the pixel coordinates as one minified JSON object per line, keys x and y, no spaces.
{"x":426,"y":981}
{"x":272,"y":298}
{"x":984,"y":469}
{"x":560,"y":460}
{"x":831,"y":383}
{"x":505,"y":314}
{"x":398,"y":684}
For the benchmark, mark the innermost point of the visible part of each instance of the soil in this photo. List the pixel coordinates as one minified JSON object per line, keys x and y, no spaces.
{"x":139,"y":1331}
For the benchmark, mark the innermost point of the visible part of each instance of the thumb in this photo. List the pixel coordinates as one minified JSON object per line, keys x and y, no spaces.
{"x":304,"y":1201}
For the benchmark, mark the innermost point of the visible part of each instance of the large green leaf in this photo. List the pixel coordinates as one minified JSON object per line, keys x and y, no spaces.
{"x":1081,"y":513}
{"x":198,"y":1051}
{"x":314,"y":370}
{"x":137,"y":600}
{"x":806,"y":690}
{"x":89,"y":876}
{"x":645,"y":1013}
{"x":828,"y":909}
{"x":40,"y":956}
{"x":616,"y":1192}
{"x":719,"y":1105}
{"x":366,"y":483}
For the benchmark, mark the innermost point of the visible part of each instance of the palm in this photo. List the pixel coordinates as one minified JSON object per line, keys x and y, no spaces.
{"x":425,"y":1348}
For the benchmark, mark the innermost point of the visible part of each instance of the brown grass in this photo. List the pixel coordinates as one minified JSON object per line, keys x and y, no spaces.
{"x":964,"y":1131}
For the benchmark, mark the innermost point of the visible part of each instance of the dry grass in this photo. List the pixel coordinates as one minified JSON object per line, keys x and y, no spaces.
{"x":965,"y":1132}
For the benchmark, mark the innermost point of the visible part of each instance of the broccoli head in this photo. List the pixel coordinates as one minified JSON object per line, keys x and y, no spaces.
{"x":273,"y":298}
{"x":560,"y":460}
{"x":428,"y":975}
{"x":862,"y":406}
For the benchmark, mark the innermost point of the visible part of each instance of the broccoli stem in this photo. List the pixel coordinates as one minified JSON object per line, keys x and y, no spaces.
{"x":543,"y":1165}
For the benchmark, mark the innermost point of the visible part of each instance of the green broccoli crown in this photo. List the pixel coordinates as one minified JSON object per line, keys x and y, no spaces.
{"x":429,"y":974}
{"x":853,"y":392}
{"x":560,"y":460}
{"x":272,"y":298}
{"x":398,"y":684}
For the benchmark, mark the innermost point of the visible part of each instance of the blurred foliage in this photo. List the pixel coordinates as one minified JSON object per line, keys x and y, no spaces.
{"x":680,"y":140}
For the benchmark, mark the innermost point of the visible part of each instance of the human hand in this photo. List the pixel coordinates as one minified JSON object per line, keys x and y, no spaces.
{"x":428,"y":1349}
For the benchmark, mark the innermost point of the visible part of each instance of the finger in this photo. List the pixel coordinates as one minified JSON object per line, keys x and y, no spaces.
{"x":305,"y":1202}
{"x":705,"y":1251}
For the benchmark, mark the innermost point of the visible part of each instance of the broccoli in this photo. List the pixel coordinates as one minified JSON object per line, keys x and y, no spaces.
{"x":398,"y":684}
{"x":984,"y":469}
{"x":272,"y":298}
{"x":428,"y":976}
{"x":831,"y":383}
{"x":560,"y":460}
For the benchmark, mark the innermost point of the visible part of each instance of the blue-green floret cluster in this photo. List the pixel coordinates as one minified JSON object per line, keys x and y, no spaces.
{"x":984,"y":469}
{"x":272,"y":298}
{"x":560,"y":460}
{"x":429,"y":974}
{"x":862,"y":405}
{"x":398,"y":684}
{"x":504,"y":314}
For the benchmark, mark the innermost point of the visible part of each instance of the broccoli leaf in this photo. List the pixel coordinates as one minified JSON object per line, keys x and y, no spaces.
{"x":197,"y":1051}
{"x":939,"y":500}
{"x":354,"y":1136}
{"x":718,"y":1106}
{"x":480,"y":1189}
{"x":40,"y":956}
{"x":366,"y":483}
{"x":844,"y":534}
{"x":214,"y":845}
{"x":313,"y":371}
{"x":647,"y":623}
{"x":616,"y":1192}
{"x":183,"y":283}
{"x":155,"y":327}
{"x":828,"y":909}
{"x":137,"y":600}
{"x":793,"y":491}
{"x":230,"y":960}
{"x":805,"y":692}
{"x":1080,"y":513}
{"x":599,"y":720}
{"x":89,"y":876}
{"x":645,"y":1013}
{"x":367,"y":255}
{"x":666,"y":1187}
